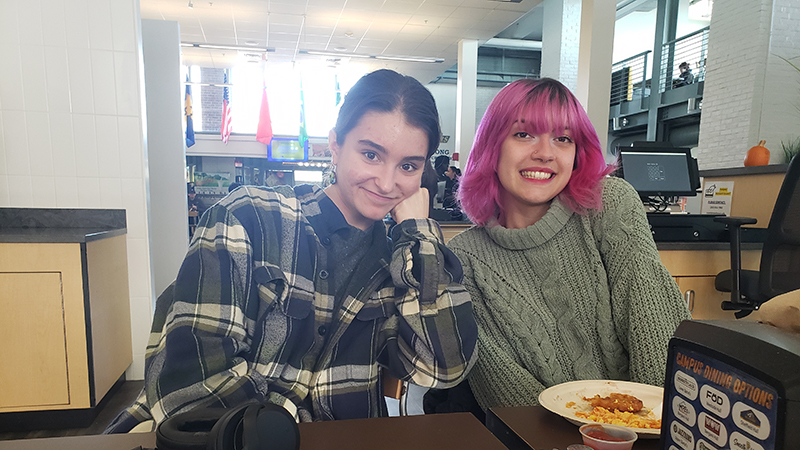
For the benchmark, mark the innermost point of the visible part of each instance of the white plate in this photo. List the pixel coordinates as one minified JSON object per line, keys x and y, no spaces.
{"x":556,"y":398}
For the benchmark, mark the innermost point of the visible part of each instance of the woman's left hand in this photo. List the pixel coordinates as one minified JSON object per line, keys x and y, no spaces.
{"x":414,"y":207}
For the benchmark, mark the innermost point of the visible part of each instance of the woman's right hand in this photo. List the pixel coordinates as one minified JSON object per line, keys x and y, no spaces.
{"x":413,"y":207}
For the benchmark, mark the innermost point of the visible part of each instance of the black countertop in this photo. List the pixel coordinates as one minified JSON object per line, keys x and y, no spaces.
{"x":753,"y":170}
{"x":57,"y":235}
{"x":58,"y":225}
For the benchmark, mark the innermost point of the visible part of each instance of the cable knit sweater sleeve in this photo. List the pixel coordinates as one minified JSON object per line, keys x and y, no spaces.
{"x":646,"y":303}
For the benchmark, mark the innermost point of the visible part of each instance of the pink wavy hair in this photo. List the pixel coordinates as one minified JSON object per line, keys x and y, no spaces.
{"x":543,"y":105}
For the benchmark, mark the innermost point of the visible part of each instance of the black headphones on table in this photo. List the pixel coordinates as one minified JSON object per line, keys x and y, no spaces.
{"x":252,"y":426}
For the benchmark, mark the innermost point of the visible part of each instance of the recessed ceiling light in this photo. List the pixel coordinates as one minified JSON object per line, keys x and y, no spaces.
{"x":340,"y":48}
{"x":251,"y":43}
{"x":348,"y":34}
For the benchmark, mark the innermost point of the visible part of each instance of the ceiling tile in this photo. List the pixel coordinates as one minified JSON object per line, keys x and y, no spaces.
{"x":469,"y":13}
{"x":398,"y":6}
{"x":416,"y":30}
{"x":435,"y":10}
{"x":285,"y":19}
{"x":287,"y":8}
{"x":460,"y":23}
{"x":426,"y":20}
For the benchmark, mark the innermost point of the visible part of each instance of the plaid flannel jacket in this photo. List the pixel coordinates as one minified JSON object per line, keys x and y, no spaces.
{"x":251,"y":315}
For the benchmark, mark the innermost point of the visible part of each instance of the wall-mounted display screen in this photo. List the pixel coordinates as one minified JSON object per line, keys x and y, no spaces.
{"x":287,"y":149}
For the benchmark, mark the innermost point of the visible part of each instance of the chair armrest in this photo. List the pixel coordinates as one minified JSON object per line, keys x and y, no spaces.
{"x":737,"y":303}
{"x":736,"y":221}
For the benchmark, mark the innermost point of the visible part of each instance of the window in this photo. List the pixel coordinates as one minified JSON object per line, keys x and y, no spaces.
{"x":283,"y":82}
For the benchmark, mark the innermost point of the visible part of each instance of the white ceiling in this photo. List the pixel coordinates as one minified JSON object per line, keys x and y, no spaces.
{"x":430,"y":28}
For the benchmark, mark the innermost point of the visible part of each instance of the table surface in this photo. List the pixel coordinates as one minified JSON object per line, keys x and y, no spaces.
{"x":539,"y":429}
{"x":458,"y":431}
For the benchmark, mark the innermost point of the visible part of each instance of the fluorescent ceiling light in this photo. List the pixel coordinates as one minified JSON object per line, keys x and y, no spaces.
{"x":241,"y":48}
{"x":334,"y":54}
{"x":516,"y":44}
{"x":422,"y":59}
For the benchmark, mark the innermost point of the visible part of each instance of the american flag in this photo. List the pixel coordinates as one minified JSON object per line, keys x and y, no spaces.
{"x":226,"y":111}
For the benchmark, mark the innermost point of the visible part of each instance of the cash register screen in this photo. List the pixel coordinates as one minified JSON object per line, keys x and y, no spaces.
{"x":658,"y":173}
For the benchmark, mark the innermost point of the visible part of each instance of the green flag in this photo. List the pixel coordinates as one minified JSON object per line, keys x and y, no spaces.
{"x":303,"y":135}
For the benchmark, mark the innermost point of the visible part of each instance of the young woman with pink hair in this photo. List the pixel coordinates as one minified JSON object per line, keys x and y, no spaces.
{"x":565,"y":278}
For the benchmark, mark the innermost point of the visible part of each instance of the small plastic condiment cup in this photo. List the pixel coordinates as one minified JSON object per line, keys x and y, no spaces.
{"x":621,"y":438}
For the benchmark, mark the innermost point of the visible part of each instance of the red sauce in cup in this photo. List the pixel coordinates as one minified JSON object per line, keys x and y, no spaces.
{"x":602,"y":435}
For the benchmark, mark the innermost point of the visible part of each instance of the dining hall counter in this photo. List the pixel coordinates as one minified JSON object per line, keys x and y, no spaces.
{"x":64,"y":314}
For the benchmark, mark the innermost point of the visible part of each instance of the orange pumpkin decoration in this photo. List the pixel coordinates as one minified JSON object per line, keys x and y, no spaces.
{"x":757,"y":156}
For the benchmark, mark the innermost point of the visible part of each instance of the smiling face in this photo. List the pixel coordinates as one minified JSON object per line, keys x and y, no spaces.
{"x":532,"y":169}
{"x":378,"y":165}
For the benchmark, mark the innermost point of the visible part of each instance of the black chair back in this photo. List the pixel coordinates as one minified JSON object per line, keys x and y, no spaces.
{"x":780,"y":256}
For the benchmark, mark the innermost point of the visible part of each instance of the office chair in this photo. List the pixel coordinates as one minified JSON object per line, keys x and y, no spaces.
{"x":779,"y":271}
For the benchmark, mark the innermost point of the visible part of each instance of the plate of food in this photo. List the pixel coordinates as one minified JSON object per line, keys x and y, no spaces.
{"x":633,"y":405}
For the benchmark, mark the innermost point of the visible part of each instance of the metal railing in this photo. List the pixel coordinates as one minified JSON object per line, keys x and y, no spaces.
{"x":687,"y":52}
{"x":629,"y":79}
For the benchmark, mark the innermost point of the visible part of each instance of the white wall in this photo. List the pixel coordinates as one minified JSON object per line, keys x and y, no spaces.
{"x":71,"y":121}
{"x":780,"y":106}
{"x":737,"y":82}
{"x":169,"y":234}
{"x":445,"y":96}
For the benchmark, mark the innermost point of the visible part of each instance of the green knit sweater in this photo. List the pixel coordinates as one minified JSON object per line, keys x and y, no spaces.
{"x":569,"y":298}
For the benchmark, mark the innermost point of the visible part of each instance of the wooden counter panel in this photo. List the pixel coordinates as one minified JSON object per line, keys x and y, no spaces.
{"x":753,"y":195}
{"x":681,"y":263}
{"x":16,"y":260}
{"x":107,"y":267}
{"x":34,"y":370}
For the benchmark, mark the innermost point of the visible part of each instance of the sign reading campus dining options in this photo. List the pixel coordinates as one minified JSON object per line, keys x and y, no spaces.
{"x":731,"y":385}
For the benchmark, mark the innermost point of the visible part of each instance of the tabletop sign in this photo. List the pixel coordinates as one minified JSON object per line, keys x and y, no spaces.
{"x":717,"y":197}
{"x":714,"y":405}
{"x":732,"y":385}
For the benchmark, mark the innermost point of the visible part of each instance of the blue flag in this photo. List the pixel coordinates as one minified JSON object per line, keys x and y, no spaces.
{"x":187,"y":110}
{"x":303,"y":134}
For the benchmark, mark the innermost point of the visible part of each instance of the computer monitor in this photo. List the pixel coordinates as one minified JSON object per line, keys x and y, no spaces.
{"x":287,"y":149}
{"x":662,"y":172}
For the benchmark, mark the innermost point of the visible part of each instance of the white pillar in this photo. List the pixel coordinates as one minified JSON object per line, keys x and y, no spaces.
{"x":166,"y":159}
{"x":594,"y":62}
{"x":561,"y":40}
{"x":466,"y":93}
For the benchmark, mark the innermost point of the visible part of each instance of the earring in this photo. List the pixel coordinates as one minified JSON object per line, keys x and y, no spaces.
{"x":333,"y":175}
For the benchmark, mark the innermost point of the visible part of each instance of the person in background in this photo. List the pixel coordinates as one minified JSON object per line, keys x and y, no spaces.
{"x":450,"y":187}
{"x":232,"y":187}
{"x":275,"y":178}
{"x":565,"y":279}
{"x":440,"y":165}
{"x":297,"y":296}
{"x":194,"y":203}
{"x":686,"y":76}
{"x":196,"y":208}
{"x":431,"y":183}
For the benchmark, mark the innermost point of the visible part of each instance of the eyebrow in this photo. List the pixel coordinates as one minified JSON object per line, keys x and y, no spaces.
{"x":383,"y":150}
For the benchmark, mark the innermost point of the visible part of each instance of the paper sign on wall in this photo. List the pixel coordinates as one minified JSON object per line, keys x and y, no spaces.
{"x":717,"y":197}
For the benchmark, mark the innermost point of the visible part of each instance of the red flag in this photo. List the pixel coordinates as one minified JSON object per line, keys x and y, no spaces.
{"x":226,"y":112}
{"x":264,"y":132}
